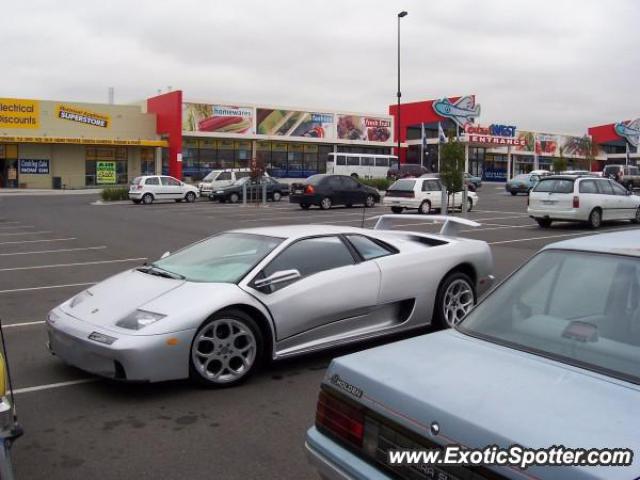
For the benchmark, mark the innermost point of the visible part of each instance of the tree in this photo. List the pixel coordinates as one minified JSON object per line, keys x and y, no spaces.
{"x":589,"y":149}
{"x":452,"y":165}
{"x":560,"y":162}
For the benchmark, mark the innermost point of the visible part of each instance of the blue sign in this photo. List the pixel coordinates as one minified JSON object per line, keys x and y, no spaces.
{"x":494,"y":174}
{"x":503,"y":130}
{"x":34,"y":167}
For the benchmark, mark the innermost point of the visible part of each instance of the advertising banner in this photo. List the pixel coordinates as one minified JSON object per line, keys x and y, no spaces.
{"x":74,"y":114}
{"x":106,"y":173}
{"x":549,"y":145}
{"x":17,"y":113}
{"x":372,"y":129}
{"x":34,"y":167}
{"x":203,"y":117}
{"x":290,"y":123}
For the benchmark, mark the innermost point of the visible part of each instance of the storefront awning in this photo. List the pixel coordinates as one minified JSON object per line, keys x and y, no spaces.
{"x":85,"y":141}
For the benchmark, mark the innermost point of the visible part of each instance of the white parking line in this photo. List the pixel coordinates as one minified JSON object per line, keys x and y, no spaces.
{"x":101,"y":247}
{"x":53,"y":385}
{"x":12,"y":242}
{"x":22,"y":324}
{"x":76,"y":264}
{"x":25,"y":233}
{"x":500,"y":211}
{"x":16,"y":226}
{"x":46,"y":287}
{"x":577,"y":234}
{"x":498,"y":227}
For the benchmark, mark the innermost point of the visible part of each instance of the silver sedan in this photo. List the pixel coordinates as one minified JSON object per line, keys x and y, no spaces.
{"x":215,"y":310}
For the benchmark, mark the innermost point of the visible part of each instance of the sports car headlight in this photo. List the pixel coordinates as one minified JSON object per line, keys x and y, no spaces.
{"x":139,"y":319}
{"x":52,"y":317}
{"x":81,"y":297}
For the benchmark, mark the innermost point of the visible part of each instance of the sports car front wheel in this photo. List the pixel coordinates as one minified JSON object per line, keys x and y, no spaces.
{"x":226,"y":350}
{"x":456,"y":297}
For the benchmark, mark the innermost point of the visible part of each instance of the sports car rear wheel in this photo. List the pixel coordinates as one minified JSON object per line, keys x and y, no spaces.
{"x":456,"y":297}
{"x":226,"y":349}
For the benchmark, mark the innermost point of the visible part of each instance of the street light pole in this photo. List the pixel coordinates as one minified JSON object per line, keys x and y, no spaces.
{"x":400,"y":15}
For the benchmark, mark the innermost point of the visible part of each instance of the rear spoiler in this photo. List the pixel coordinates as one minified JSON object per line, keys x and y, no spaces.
{"x":451,"y":227}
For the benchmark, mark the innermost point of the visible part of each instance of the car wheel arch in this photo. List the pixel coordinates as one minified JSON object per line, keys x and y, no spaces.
{"x":466,"y":268}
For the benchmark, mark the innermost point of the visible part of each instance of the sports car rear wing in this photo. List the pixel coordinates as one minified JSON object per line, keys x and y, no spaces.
{"x":451,"y":226}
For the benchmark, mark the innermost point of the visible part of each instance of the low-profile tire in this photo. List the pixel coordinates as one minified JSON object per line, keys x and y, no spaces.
{"x":469,"y":204}
{"x":276,"y":197}
{"x":425,"y":207}
{"x":190,"y":197}
{"x":147,"y":199}
{"x":514,"y":193}
{"x":226,"y":350}
{"x":544,"y":222}
{"x":636,"y":219}
{"x":595,"y":218}
{"x":234,"y":198}
{"x":455,"y":298}
{"x":325,"y":203}
{"x":397,"y":210}
{"x":369,"y":202}
{"x":305,"y":206}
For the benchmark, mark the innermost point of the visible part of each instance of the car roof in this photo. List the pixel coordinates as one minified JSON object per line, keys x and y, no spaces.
{"x":622,"y":243}
{"x":296,"y":231}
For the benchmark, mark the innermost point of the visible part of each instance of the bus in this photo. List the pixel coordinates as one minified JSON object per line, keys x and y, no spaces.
{"x":360,"y":165}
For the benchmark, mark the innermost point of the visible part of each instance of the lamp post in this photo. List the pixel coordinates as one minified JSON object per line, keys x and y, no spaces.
{"x":400,"y":15}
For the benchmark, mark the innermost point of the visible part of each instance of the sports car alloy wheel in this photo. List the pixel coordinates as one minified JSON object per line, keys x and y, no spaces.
{"x":224,"y":350}
{"x":455,"y":299}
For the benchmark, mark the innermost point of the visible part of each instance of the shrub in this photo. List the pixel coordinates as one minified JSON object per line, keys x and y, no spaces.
{"x":379,"y":183}
{"x":112,"y":194}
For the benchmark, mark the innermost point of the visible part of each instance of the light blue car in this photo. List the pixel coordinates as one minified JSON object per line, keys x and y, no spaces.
{"x":521,"y":183}
{"x":551,"y":357}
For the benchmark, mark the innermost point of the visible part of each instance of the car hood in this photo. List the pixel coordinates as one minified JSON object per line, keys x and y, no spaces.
{"x":181,"y":301}
{"x":481,"y":394}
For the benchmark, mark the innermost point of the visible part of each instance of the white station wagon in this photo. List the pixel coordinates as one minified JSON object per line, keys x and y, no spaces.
{"x":424,"y":194}
{"x":570,"y":198}
{"x":148,"y":188}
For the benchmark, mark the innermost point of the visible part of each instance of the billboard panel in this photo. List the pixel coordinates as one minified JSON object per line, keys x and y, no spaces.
{"x":204,"y":117}
{"x":356,"y":127}
{"x":291,"y":123}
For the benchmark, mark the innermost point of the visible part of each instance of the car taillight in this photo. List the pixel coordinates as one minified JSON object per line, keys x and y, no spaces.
{"x":576,"y":201}
{"x":340,"y":418}
{"x":309,"y":190}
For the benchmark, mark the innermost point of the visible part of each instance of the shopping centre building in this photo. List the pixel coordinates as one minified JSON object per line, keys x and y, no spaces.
{"x":60,"y":144}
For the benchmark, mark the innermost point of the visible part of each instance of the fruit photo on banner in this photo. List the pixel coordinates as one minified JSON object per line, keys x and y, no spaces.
{"x":202,"y":117}
{"x":290,"y":123}
{"x":372,"y":129}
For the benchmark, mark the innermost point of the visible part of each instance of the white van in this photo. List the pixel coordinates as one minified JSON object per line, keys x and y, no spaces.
{"x":217,"y":179}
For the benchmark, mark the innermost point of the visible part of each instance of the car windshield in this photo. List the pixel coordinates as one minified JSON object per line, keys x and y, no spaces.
{"x":554,"y":185}
{"x":224,"y":258}
{"x":210,"y":176}
{"x":556,"y":306}
{"x":403,"y":185}
{"x":315,"y":179}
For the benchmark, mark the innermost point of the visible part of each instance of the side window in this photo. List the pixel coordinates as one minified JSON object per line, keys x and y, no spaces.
{"x":152,"y":181}
{"x":164,"y":181}
{"x":618,"y":189}
{"x":349,"y":183}
{"x":367,"y":248}
{"x":353,"y":161}
{"x":240,"y":175}
{"x":340,"y":160}
{"x":633,"y":170}
{"x":173,"y":181}
{"x":334,"y":183}
{"x":310,"y":256}
{"x":425,"y":186}
{"x":366,"y":161}
{"x":588,"y":186}
{"x":224,"y":176}
{"x":434,"y":186}
{"x":604,"y":187}
{"x":382,"y":162}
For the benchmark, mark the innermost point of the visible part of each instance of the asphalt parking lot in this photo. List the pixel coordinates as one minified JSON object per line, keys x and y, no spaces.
{"x":78,"y":426}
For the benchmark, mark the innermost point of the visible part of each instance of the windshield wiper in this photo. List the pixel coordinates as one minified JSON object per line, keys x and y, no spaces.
{"x":160,"y":272}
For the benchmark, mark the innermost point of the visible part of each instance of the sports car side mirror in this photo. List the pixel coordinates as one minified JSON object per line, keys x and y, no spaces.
{"x":277,"y":277}
{"x":165,"y":255}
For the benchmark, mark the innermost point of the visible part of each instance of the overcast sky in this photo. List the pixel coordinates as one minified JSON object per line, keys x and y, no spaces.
{"x":555,"y":65}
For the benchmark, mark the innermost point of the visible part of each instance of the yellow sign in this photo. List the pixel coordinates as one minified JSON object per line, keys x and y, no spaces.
{"x":105,"y":173}
{"x":65,"y":112}
{"x":16,"y":113}
{"x":85,"y":141}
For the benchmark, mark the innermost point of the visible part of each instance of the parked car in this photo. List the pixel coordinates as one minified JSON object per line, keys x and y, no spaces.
{"x":471,"y":186}
{"x":576,"y":172}
{"x":254,"y":190}
{"x":405,"y":170}
{"x":217,"y":309}
{"x":326,"y":191}
{"x":627,"y":175}
{"x":423,"y":194}
{"x":548,"y":358}
{"x":522,"y":183}
{"x":217,"y":179}
{"x":10,"y":430}
{"x":540,"y":172}
{"x":581,"y":199}
{"x":148,"y":188}
{"x":473,"y":180}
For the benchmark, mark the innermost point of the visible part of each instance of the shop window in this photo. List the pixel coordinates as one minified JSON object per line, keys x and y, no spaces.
{"x":294,"y":159}
{"x":106,"y":154}
{"x":147,"y":161}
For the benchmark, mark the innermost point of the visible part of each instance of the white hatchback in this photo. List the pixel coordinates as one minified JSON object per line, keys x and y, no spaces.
{"x":217,"y":179}
{"x":581,"y":199}
{"x":148,"y":188}
{"x":424,"y":194}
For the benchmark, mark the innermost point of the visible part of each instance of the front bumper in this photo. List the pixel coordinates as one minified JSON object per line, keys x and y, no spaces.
{"x":130,"y":357}
{"x":334,"y":462}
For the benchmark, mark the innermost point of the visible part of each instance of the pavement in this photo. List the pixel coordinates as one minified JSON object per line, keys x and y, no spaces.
{"x":78,"y":426}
